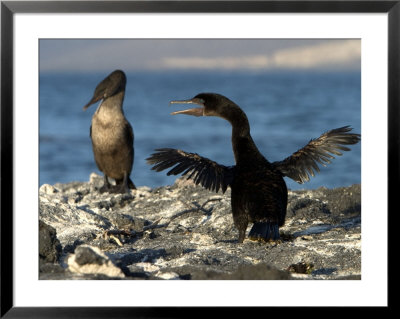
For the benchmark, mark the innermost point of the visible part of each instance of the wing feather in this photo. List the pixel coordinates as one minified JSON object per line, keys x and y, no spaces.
{"x":304,"y":163}
{"x":201,"y":170}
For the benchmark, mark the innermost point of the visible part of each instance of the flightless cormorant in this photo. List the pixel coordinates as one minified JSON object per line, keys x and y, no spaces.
{"x":111,"y":134}
{"x":258,"y":190}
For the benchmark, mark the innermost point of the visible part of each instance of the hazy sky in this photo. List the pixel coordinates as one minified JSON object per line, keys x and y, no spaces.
{"x":90,"y":55}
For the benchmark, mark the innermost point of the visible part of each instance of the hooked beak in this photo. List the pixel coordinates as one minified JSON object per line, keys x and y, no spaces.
{"x":92,"y":101}
{"x":197,"y":111}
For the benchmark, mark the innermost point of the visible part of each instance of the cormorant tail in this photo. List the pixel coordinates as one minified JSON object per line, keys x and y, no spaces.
{"x":264,"y":231}
{"x":131,"y":185}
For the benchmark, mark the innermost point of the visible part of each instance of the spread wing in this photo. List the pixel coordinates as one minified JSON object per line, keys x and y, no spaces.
{"x":201,"y":170}
{"x":303,"y":163}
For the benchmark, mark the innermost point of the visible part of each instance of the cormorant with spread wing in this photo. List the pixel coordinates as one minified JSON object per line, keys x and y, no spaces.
{"x":258,"y":190}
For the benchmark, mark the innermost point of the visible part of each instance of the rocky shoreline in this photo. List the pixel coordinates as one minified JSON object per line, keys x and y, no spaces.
{"x":185,"y":232}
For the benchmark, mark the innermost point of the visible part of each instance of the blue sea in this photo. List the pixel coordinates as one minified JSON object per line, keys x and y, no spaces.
{"x":285,"y":110}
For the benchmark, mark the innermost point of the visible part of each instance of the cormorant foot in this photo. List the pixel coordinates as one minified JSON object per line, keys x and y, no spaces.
{"x":114,"y":189}
{"x":119,"y":189}
{"x":105,"y":189}
{"x":263,"y":240}
{"x":242,"y":235}
{"x":106,"y":185}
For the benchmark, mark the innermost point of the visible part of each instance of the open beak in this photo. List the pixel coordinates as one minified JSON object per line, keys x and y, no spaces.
{"x":197,"y":111}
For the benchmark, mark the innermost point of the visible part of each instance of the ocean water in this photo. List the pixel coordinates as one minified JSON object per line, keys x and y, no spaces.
{"x":285,"y":110}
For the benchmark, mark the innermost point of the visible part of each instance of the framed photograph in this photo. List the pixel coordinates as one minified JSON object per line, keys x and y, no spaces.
{"x":82,"y":81}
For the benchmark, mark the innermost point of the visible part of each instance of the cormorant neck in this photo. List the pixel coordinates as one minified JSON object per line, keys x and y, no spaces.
{"x":244,"y":148}
{"x":238,"y":119}
{"x":113,"y":104}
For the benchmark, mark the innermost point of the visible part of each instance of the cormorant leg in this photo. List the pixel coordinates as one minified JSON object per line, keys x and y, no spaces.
{"x":106,"y":186}
{"x":241,"y":222}
{"x":242,"y":235}
{"x":122,"y":185}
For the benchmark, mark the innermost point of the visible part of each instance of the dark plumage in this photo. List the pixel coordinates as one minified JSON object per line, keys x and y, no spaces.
{"x":111,"y":134}
{"x":259,"y":193}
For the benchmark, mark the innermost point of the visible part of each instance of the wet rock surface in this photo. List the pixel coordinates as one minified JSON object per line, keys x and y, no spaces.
{"x":185,"y":232}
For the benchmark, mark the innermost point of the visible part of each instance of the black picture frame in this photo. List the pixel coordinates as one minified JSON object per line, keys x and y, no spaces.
{"x":9,"y":8}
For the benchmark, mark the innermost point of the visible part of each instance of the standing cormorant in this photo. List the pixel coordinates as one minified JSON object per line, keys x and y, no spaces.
{"x":111,"y":134}
{"x":258,"y":190}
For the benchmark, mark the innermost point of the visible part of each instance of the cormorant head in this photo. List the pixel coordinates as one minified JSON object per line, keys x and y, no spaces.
{"x":112,"y":84}
{"x":211,"y":104}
